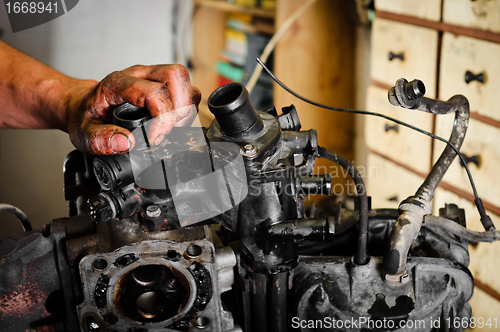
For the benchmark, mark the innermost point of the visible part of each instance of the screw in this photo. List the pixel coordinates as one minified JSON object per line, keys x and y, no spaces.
{"x":153,"y":211}
{"x":405,"y":278}
{"x":249,"y":150}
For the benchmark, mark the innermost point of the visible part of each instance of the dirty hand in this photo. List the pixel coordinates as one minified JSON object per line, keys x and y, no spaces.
{"x":165,"y":90}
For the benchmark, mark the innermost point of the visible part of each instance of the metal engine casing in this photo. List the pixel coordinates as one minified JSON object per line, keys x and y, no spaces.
{"x":188,"y":252}
{"x":291,"y":269}
{"x":329,"y":291}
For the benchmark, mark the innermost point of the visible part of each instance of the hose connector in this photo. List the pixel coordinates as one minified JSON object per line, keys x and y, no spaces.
{"x":406,"y":94}
{"x":231,"y":106}
{"x":412,"y":212}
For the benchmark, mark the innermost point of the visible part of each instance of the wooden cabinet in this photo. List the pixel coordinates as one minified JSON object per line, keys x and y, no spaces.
{"x":394,"y":141}
{"x":463,"y":45}
{"x":462,"y":54}
{"x":389,"y":184}
{"x":425,"y":9}
{"x":314,"y":58}
{"x":404,"y":50}
{"x":482,"y":142}
{"x":479,"y":14}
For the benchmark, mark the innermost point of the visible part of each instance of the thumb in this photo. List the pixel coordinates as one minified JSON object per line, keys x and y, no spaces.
{"x":105,"y":139}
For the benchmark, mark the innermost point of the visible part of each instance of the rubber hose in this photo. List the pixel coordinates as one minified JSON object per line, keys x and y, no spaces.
{"x":459,"y":230}
{"x":361,"y":256}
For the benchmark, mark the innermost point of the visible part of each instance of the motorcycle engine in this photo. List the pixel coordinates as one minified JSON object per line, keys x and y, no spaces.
{"x":209,"y":231}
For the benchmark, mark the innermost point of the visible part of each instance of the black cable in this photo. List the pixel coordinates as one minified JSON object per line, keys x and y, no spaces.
{"x":20,"y":215}
{"x":478,"y":201}
{"x":361,"y":257}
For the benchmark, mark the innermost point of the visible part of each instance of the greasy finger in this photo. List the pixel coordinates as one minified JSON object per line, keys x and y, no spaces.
{"x":160,"y":126}
{"x":185,"y":116}
{"x":175,"y":77}
{"x":118,"y":88}
{"x":106,"y":139}
{"x":196,"y":96}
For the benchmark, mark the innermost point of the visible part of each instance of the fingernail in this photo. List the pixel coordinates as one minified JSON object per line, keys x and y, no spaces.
{"x":159,"y":139}
{"x":120,"y":142}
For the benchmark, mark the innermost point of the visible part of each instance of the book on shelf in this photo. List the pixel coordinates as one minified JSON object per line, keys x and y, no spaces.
{"x":229,"y":71}
{"x":264,"y":4}
{"x":236,"y":42}
{"x":245,"y":39}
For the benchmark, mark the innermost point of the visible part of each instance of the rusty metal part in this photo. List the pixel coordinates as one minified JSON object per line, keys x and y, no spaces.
{"x":169,"y":282}
{"x":436,"y":280}
{"x":139,"y":270}
{"x":331,"y":287}
{"x":37,"y":291}
{"x":414,"y":208}
{"x":27,"y":284}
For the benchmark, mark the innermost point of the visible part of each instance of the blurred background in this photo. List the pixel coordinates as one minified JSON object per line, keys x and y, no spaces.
{"x":341,"y":53}
{"x":90,"y":41}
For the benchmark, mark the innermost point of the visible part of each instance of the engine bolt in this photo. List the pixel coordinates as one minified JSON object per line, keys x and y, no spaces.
{"x":153,"y":211}
{"x":249,"y":150}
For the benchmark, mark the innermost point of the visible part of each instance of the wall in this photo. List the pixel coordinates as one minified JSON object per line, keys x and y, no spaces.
{"x":362,"y":81}
{"x":90,"y":41}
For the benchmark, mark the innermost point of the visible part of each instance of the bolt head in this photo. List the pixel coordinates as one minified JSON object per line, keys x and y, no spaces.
{"x":249,"y":150}
{"x":153,"y":211}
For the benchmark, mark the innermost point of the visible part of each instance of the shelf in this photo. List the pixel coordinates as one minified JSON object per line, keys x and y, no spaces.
{"x":230,"y":7}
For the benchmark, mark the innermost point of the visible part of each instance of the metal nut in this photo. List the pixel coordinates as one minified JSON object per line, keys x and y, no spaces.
{"x":249,"y":150}
{"x":153,"y":211}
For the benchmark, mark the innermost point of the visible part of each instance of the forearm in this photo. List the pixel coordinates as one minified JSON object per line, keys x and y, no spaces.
{"x":33,"y":95}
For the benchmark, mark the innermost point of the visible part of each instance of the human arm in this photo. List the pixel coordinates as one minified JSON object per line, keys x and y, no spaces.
{"x":34,"y":95}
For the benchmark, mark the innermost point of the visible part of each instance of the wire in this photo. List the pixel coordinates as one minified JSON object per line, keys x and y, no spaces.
{"x":272,"y":42}
{"x":471,"y":180}
{"x":19,"y":215}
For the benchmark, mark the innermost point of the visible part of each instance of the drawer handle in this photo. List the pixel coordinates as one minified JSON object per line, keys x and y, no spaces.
{"x":469,"y":77}
{"x":476,"y":159}
{"x":400,"y":56}
{"x":393,"y":198}
{"x":389,"y":127}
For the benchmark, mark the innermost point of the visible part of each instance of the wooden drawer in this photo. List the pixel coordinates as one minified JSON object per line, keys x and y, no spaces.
{"x":418,"y":46}
{"x":404,"y":145}
{"x":425,"y":9}
{"x":483,"y":255}
{"x":485,"y":309}
{"x":387,"y":183}
{"x":461,"y":54}
{"x":479,"y":14}
{"x":482,"y":140}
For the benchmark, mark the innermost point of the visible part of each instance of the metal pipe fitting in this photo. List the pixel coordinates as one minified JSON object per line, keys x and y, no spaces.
{"x":314,"y":230}
{"x":414,"y":208}
{"x":129,"y":116}
{"x":315,"y":184}
{"x":231,"y":106}
{"x":301,"y":141}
